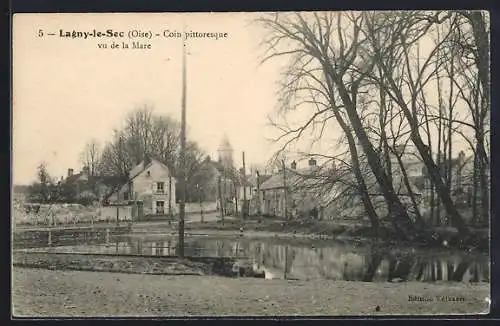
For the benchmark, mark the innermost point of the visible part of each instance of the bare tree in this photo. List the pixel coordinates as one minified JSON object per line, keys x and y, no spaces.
{"x":90,"y":157}
{"x":331,"y":48}
{"x":401,"y":33}
{"x":471,"y":48}
{"x":147,"y":134}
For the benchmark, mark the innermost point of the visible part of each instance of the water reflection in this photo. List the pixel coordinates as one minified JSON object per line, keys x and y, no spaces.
{"x":334,"y":262}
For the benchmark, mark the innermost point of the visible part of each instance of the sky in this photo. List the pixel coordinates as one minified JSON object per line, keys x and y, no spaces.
{"x":67,"y":91}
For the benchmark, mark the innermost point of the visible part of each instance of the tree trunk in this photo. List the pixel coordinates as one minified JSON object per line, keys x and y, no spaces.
{"x":434,"y":172}
{"x":418,"y":216}
{"x":442,"y":191}
{"x":483,"y":182}
{"x":435,"y":175}
{"x":401,"y":219}
{"x":481,"y":38}
{"x":373,"y":267}
{"x":475,"y":215}
{"x":362,"y":188}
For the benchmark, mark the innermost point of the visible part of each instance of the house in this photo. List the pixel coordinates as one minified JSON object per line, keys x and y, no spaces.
{"x":292,"y":192}
{"x":78,"y":177}
{"x":83,"y":184}
{"x":254,"y":195}
{"x":150,"y":187}
{"x":216,"y":172}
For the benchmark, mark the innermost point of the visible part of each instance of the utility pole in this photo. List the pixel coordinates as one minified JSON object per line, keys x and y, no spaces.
{"x":244,"y":181}
{"x":220,"y":200}
{"x":285,"y":190}
{"x":182,"y":181}
{"x":224,"y":191}
{"x":170,"y":196}
{"x":200,"y":192}
{"x":258,"y":195}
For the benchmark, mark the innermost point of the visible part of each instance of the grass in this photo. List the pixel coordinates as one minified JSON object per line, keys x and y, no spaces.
{"x":37,"y":293}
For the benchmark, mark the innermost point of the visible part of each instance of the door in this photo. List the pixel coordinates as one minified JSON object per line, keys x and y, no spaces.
{"x":140,"y":210}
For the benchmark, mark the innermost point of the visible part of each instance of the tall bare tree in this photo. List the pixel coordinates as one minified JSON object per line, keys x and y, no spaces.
{"x":331,"y":47}
{"x":90,"y":156}
{"x":392,"y":39}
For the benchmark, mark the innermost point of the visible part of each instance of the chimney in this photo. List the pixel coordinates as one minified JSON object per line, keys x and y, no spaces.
{"x":70,"y":172}
{"x":334,"y":166}
{"x":293,"y":165}
{"x":312,"y":162}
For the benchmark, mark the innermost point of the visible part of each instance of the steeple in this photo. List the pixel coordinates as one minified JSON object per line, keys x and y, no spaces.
{"x":225,"y":152}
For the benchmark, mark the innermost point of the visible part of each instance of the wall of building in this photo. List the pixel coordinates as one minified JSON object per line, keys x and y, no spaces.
{"x":145,"y":188}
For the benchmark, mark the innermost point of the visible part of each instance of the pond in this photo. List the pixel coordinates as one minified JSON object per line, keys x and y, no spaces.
{"x":310,"y":259}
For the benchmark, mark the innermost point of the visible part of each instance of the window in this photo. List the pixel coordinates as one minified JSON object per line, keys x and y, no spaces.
{"x":160,"y":207}
{"x":125,"y":195}
{"x":160,"y":187}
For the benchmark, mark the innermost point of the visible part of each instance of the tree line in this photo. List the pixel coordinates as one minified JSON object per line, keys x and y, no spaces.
{"x":390,"y":80}
{"x":144,"y":133}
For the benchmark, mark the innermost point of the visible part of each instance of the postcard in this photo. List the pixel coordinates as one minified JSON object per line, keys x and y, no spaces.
{"x":251,"y":164}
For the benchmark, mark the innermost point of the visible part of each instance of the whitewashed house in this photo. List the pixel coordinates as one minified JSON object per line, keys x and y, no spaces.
{"x":150,"y":188}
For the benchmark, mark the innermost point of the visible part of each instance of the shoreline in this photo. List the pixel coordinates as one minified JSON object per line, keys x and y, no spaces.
{"x":446,"y":238}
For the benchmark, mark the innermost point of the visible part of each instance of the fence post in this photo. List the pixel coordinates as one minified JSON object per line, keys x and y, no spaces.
{"x":50,"y":238}
{"x":117,"y":215}
{"x":286,"y":261}
{"x":107,"y":236}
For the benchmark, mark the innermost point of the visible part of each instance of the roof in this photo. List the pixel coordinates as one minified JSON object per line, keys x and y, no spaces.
{"x":274,"y":182}
{"x":73,"y":177}
{"x":293,"y":178}
{"x":217,"y":165}
{"x":252,"y":179}
{"x":117,"y":182}
{"x":456,"y":163}
{"x":248,"y":183}
{"x":141,"y":167}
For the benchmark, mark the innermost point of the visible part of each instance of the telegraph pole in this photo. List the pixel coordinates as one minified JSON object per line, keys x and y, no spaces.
{"x":170,"y":197}
{"x":220,"y":200}
{"x":182,"y":181}
{"x":285,"y":190}
{"x":258,"y":195}
{"x":244,"y":181}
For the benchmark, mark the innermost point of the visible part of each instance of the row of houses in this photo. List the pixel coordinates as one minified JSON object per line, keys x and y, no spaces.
{"x":289,"y":192}
{"x":322,"y":192}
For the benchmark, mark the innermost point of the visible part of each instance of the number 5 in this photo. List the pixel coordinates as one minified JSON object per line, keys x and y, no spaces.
{"x":40,"y":33}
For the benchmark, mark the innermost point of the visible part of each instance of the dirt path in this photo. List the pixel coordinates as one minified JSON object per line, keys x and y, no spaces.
{"x":69,"y":293}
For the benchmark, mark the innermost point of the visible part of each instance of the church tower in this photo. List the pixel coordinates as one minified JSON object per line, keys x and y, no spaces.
{"x":225,"y":152}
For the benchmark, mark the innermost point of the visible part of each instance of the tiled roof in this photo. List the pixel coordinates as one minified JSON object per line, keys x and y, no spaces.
{"x":293,"y":178}
{"x":74,"y":177}
{"x":262,"y":178}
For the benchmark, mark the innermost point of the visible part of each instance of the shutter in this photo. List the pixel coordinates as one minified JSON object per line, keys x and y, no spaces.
{"x":153,"y":187}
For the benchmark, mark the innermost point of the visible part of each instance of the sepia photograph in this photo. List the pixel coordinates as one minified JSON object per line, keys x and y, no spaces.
{"x":258,"y":164}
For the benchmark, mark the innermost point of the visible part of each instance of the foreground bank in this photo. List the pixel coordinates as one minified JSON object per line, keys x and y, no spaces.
{"x":72,"y":293}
